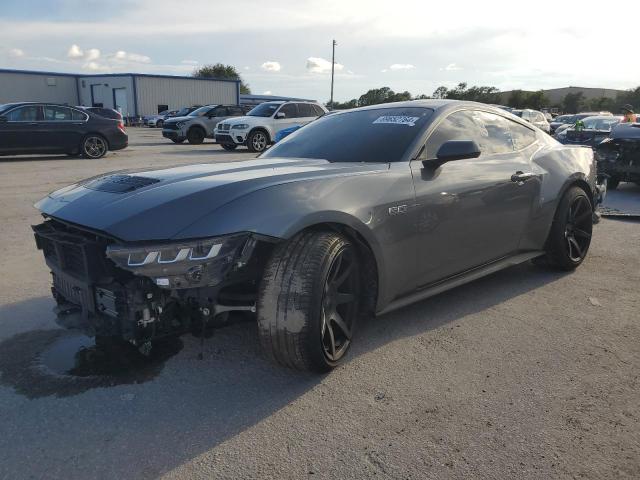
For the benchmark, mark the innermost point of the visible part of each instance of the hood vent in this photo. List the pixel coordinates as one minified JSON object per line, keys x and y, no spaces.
{"x":120,"y":183}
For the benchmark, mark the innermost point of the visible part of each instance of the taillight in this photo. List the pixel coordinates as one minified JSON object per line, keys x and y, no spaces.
{"x":121,"y":126}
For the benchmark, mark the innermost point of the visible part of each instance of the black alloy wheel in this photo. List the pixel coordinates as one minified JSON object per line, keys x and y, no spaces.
{"x":578,"y":228}
{"x":94,"y":146}
{"x":339,"y":304}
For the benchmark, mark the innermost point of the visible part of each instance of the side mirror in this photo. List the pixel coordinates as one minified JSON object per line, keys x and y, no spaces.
{"x":3,"y":119}
{"x":280,"y":115}
{"x":457,"y":150}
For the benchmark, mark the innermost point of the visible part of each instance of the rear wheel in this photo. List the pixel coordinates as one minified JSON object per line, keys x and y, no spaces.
{"x":195,"y":136}
{"x":257,"y":141}
{"x":570,"y":234}
{"x":229,"y":146}
{"x":94,"y":146}
{"x":309,"y":301}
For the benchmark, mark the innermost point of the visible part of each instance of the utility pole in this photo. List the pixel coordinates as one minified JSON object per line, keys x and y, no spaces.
{"x":333,"y":64}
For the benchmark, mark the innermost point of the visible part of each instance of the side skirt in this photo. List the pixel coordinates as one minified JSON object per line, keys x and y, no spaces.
{"x":460,"y":279}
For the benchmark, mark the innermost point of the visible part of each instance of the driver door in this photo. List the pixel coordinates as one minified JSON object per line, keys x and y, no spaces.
{"x":290,"y":111}
{"x":470,"y":212}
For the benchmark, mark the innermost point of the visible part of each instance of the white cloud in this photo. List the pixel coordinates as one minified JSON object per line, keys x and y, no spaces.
{"x":247,"y":68}
{"x":129,"y":57}
{"x":271,"y":66}
{"x":401,"y":66}
{"x":92,"y":54}
{"x":190,"y":62}
{"x":75,"y":52}
{"x":452,"y":67}
{"x":268,"y":92}
{"x":320,"y":65}
{"x":94,"y":67}
{"x":16,"y":53}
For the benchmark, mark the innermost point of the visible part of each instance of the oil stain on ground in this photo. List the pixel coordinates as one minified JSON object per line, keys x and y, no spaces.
{"x":41,"y":363}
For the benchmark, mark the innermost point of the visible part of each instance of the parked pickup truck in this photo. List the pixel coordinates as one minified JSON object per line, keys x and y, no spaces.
{"x":199,"y":124}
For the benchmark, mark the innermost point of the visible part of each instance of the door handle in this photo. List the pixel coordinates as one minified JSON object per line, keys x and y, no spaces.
{"x":521,"y":177}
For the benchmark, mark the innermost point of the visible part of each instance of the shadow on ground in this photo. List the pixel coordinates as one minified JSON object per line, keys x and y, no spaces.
{"x":192,"y":405}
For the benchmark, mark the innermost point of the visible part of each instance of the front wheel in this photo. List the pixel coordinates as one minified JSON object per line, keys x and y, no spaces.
{"x":159,"y":123}
{"x":94,"y":146}
{"x":195,"y":136}
{"x":257,"y":141}
{"x":570,"y":235}
{"x":177,"y":140}
{"x":309,"y":301}
{"x":229,"y":146}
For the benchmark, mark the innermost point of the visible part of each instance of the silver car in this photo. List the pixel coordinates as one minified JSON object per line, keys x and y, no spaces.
{"x":199,"y":124}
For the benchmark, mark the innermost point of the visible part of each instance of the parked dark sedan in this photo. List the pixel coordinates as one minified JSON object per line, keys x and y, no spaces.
{"x":39,"y":128}
{"x":594,"y":130}
{"x":619,"y":155}
{"x":360,"y":212}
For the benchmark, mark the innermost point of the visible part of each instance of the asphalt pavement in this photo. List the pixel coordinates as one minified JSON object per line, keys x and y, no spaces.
{"x":525,"y":374}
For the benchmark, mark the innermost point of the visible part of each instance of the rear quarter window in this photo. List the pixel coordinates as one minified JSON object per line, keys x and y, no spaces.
{"x":521,"y":135}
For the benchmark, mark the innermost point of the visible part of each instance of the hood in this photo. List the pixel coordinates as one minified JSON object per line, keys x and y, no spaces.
{"x":137,"y":205}
{"x":177,"y":119}
{"x":251,"y":121}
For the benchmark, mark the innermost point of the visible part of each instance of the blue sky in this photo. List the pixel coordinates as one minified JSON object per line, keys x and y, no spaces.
{"x":284,"y":47}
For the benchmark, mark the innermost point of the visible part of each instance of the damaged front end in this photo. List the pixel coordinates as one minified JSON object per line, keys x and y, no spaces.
{"x":142,"y":292}
{"x":619,"y":155}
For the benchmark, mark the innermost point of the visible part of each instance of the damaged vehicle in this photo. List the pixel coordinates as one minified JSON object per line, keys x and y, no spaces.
{"x":619,"y":155}
{"x":358,"y":213}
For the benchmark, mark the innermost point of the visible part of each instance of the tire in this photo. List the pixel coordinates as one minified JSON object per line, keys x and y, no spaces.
{"x":299,"y":289}
{"x":175,"y":140}
{"x":229,"y":146}
{"x":570,"y":234}
{"x":159,"y":123}
{"x":257,"y":141}
{"x":94,"y":146}
{"x":195,"y":135}
{"x":612,"y":183}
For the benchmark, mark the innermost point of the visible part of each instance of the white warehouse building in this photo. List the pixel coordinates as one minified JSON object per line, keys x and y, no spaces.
{"x":134,"y":94}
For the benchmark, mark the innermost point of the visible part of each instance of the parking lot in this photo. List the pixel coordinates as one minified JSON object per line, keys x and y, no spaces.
{"x":523,"y":374}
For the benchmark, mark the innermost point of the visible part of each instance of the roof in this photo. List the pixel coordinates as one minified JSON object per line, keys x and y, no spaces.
{"x":94,"y":75}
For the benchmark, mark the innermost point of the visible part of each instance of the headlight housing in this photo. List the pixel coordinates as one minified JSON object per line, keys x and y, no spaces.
{"x":178,"y":265}
{"x":240,"y":126}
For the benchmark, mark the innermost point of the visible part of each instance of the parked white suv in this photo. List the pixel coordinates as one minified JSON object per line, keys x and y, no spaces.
{"x":535,"y":117}
{"x":257,"y":130}
{"x":199,"y":124}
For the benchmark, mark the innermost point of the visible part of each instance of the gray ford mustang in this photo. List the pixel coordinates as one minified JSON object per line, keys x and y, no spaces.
{"x":357,"y":213}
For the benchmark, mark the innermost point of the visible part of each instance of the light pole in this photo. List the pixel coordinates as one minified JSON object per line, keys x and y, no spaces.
{"x":333,"y":64}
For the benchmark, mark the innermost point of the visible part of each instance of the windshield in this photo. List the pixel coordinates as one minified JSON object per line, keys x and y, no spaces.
{"x":264,"y":110}
{"x":517,"y":113}
{"x":564,"y":119}
{"x":199,"y":112}
{"x":183,"y":112}
{"x":380,"y":135}
{"x":600,"y":123}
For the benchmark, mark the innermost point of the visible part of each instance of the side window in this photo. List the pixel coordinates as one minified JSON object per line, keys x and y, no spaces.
{"x":79,"y":116}
{"x":522,"y":136}
{"x":319,"y":111}
{"x":495,"y":134}
{"x":30,"y":113}
{"x":56,"y":114}
{"x":289,"y":110}
{"x":457,"y":126}
{"x":235,"y":111}
{"x":306,"y":110}
{"x":219,"y":112}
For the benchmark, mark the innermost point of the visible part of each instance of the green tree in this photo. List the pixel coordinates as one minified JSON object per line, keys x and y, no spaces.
{"x":536,"y":100}
{"x":220,"y":70}
{"x":573,"y":102}
{"x":440,"y":92}
{"x":517,"y":99}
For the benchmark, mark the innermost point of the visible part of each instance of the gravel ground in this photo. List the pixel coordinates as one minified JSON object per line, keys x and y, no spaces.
{"x":523,"y":374}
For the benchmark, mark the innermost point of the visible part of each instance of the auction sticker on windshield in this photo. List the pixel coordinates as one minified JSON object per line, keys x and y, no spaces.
{"x":397,"y":120}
